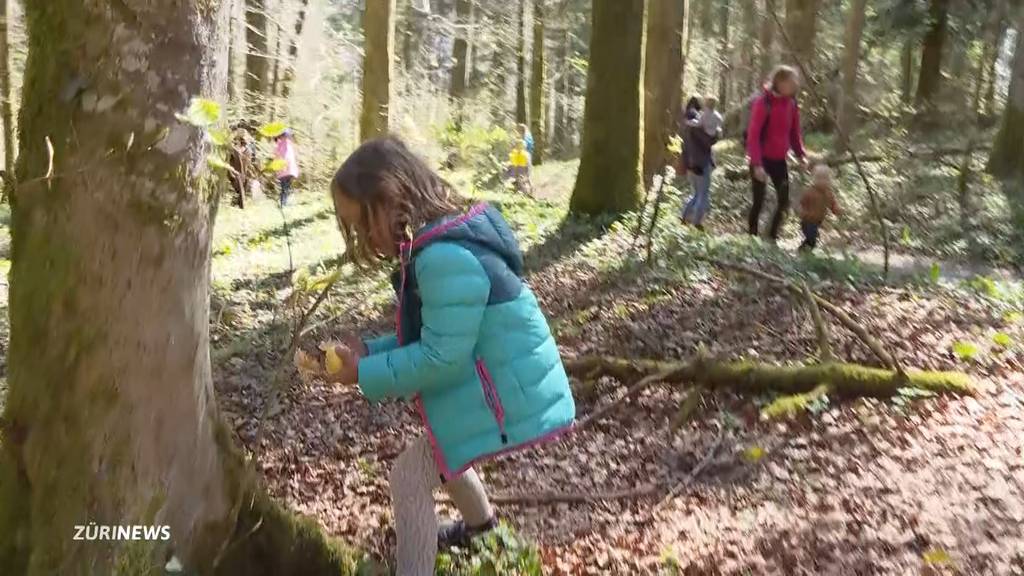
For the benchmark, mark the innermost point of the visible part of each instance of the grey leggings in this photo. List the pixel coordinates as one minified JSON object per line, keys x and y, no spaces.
{"x":414,"y":477}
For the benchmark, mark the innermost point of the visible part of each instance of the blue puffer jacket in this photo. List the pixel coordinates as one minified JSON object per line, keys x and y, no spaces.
{"x":472,"y":347}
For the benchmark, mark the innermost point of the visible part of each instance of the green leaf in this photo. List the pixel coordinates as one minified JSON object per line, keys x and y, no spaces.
{"x":201,"y":112}
{"x":273,"y":129}
{"x":905,"y":237}
{"x":275,"y":165}
{"x":937,"y":557}
{"x":965,"y":350}
{"x":935,"y":272}
{"x":1002,"y":339}
{"x":1013,"y":318}
{"x":754,"y":453}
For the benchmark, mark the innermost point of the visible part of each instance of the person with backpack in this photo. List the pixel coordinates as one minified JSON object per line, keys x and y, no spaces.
{"x":698,"y":161}
{"x":773,"y":131}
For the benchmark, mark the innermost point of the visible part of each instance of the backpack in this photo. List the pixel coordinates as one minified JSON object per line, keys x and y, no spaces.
{"x":748,"y":111}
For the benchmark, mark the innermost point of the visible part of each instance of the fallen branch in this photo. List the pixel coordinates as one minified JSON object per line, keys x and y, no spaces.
{"x":838,"y":313}
{"x":842,"y":379}
{"x":820,"y":327}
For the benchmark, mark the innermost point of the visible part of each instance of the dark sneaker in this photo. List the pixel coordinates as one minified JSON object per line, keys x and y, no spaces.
{"x":458,"y":534}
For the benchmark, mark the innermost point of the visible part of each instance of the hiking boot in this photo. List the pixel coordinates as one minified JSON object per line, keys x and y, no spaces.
{"x":458,"y":534}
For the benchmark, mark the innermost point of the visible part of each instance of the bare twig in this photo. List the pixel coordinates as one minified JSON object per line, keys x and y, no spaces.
{"x":632,"y":392}
{"x":820,"y":327}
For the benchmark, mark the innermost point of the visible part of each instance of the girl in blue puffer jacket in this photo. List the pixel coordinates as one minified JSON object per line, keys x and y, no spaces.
{"x":471,"y":348}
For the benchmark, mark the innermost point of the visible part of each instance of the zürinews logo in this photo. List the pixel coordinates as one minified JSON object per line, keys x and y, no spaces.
{"x":93,"y":532}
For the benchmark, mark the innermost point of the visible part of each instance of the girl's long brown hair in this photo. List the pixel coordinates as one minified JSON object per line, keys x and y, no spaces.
{"x":780,"y":73}
{"x":383,"y":174}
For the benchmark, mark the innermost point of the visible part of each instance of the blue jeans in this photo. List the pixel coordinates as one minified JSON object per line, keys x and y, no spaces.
{"x":697,"y":208}
{"x":810,"y":230}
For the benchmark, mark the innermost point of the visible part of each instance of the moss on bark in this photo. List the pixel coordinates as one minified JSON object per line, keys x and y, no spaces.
{"x":609,"y":178}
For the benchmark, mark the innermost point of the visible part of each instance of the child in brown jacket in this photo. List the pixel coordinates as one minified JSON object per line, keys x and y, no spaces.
{"x":815,"y":203}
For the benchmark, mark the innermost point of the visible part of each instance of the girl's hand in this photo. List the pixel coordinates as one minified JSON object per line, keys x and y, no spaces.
{"x":349,"y":373}
{"x":356,"y":345}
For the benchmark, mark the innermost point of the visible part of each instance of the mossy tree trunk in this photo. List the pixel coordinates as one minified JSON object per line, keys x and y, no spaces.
{"x":851,"y":58}
{"x":802,"y":29}
{"x":257,"y":65}
{"x":537,"y":84}
{"x":5,"y":99}
{"x":111,"y":415}
{"x":1007,"y":157}
{"x":610,"y":174}
{"x":930,"y":77}
{"x":907,"y":71}
{"x":521,"y":112}
{"x":663,"y":75}
{"x":378,"y":47}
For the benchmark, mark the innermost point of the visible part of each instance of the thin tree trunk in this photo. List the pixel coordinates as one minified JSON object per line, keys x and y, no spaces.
{"x":460,"y":52}
{"x":537,"y":84}
{"x":930,"y":77}
{"x":989,"y":99}
{"x":610,"y":174}
{"x":706,"y":18}
{"x":907,"y":71}
{"x":851,"y":58}
{"x":378,"y":46}
{"x":663,"y":75}
{"x":748,"y":56}
{"x":5,"y":101}
{"x":412,"y":37}
{"x":232,"y":83}
{"x":1007,"y":157}
{"x":275,"y":74}
{"x":293,"y":48}
{"x":257,"y":67}
{"x":724,"y":59}
{"x":521,"y":112}
{"x":768,"y":56}
{"x":561,"y":120}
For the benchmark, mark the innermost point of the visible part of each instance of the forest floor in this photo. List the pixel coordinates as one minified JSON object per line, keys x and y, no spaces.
{"x":853,"y":486}
{"x":858,"y":486}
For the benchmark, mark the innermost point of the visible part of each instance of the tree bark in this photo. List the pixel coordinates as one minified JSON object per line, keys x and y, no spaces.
{"x":802,"y":29}
{"x":706,"y":18}
{"x":724,"y":55}
{"x":930,"y":78}
{"x":767,"y":40}
{"x":990,"y":84}
{"x":663,"y":75}
{"x":521,"y":111}
{"x":378,"y":46}
{"x":907,"y":71}
{"x":851,"y":58}
{"x":537,"y":84}
{"x":748,"y":56}
{"x":257,"y":67}
{"x":5,"y":100}
{"x":610,"y":174}
{"x":111,"y":416}
{"x":293,"y":48}
{"x":1007,"y":158}
{"x":460,"y":53}
{"x":412,"y":37}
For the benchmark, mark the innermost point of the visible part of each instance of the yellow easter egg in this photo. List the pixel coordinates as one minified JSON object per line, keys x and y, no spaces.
{"x":333,"y":362}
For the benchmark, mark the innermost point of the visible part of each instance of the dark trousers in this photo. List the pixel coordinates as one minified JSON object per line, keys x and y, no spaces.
{"x":810,"y":230}
{"x":779,"y":175}
{"x":286,"y":188}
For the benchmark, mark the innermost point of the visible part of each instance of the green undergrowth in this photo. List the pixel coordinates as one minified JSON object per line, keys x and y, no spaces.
{"x":501,"y":551}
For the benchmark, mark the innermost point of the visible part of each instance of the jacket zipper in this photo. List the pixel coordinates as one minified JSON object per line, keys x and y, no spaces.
{"x":492,"y":397}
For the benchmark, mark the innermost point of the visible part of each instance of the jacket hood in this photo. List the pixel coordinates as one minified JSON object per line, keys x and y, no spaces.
{"x":482,"y":225}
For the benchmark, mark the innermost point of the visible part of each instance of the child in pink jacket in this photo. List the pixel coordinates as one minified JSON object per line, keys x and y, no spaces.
{"x":285,"y":151}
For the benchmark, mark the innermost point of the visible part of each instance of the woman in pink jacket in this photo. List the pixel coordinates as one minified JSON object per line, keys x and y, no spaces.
{"x":285,"y":151}
{"x":773,"y":132}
